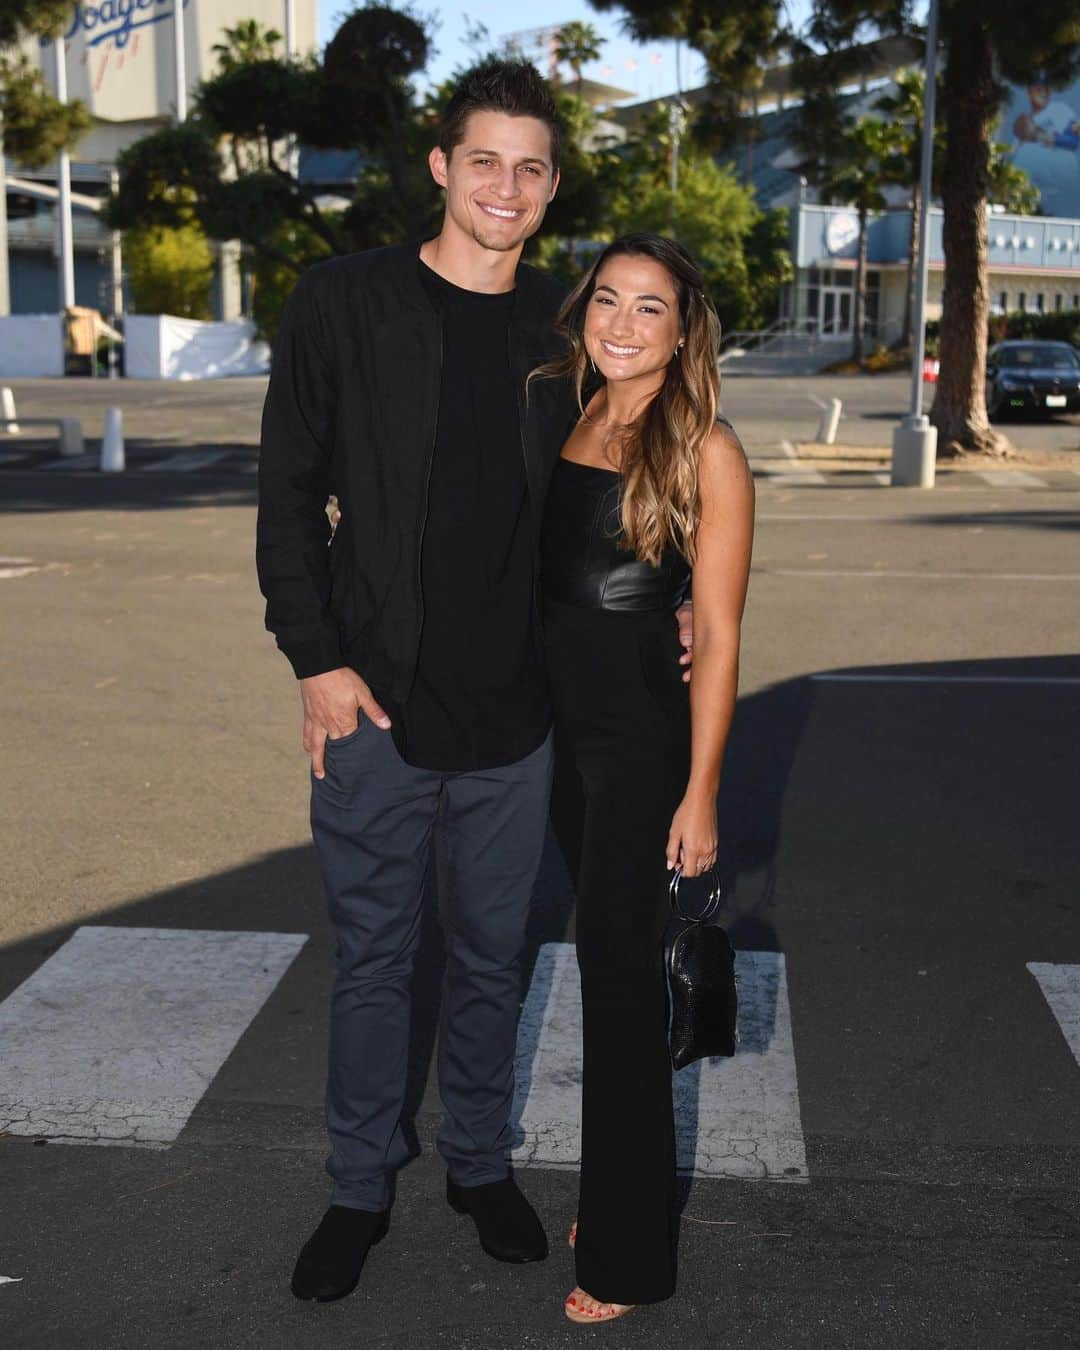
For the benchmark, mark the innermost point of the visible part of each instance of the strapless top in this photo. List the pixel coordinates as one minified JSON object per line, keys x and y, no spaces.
{"x":584,"y":563}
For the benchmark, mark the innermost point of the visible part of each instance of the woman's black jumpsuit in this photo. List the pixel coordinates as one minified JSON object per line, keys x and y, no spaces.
{"x":622,"y":745}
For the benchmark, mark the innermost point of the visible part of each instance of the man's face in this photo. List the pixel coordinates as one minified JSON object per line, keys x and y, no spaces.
{"x":1039,"y":95}
{"x":499,"y":180}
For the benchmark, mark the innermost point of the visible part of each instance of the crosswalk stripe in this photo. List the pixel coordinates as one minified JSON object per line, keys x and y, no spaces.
{"x":1061,"y":989}
{"x":1010,"y":478}
{"x":115,"y":1038}
{"x":187,"y":462}
{"x":735,"y":1117}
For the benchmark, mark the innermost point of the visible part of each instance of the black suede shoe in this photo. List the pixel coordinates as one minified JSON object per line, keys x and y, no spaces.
{"x":507,"y":1224}
{"x":333,"y":1257}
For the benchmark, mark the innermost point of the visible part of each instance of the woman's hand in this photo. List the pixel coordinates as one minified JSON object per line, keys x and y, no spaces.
{"x":693,"y":841}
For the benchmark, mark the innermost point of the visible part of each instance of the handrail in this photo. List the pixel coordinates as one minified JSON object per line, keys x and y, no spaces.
{"x":758,"y":339}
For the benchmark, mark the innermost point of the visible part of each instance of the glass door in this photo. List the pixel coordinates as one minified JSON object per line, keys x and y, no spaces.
{"x":834,"y":310}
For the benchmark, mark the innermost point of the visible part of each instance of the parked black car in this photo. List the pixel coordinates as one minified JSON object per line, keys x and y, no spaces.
{"x":1027,"y":375}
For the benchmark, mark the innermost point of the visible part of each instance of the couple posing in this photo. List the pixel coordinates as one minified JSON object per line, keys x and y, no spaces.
{"x":521,"y":508}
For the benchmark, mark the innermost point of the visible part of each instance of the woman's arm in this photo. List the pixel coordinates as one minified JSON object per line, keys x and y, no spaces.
{"x":721,"y":572}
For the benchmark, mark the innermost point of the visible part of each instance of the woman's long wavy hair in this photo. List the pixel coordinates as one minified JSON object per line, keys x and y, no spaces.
{"x":661,"y":448}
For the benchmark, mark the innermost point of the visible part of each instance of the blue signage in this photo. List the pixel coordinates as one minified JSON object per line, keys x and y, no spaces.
{"x":116,"y":20}
{"x":1041,"y":126}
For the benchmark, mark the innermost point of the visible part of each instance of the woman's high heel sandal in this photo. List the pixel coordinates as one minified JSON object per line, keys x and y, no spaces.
{"x":583,"y":1308}
{"x":571,"y":1239}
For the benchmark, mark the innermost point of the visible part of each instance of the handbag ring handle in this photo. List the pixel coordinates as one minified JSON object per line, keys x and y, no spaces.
{"x":712,"y":904}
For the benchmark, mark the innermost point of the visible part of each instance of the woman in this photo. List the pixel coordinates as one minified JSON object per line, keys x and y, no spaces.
{"x":649,"y":485}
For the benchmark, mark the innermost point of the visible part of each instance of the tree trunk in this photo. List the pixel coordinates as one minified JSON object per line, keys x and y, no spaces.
{"x":912,"y":267}
{"x":858,"y":323}
{"x":971,"y":102}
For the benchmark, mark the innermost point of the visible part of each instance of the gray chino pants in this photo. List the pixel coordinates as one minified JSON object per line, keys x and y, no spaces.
{"x":371,"y":818}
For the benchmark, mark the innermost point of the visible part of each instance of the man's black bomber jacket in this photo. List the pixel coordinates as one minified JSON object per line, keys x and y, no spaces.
{"x":352,"y":409}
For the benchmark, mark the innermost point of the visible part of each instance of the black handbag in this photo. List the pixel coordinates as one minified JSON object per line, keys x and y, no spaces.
{"x":704,"y":990}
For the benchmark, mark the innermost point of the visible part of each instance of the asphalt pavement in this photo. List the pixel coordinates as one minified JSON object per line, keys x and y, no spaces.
{"x":891,"y":1161}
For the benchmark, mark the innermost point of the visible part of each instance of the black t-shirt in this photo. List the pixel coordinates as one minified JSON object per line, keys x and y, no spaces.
{"x":480,"y":697}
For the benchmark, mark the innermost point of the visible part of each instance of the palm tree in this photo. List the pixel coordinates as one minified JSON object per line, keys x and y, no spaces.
{"x":578,"y":43}
{"x":905,"y":110}
{"x":867,"y":162}
{"x":247,"y":41}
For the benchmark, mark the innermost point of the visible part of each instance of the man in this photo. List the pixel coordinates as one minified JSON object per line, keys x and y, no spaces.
{"x":399,"y":383}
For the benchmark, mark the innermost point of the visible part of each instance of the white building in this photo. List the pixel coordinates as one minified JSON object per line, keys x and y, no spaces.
{"x":121,"y":62}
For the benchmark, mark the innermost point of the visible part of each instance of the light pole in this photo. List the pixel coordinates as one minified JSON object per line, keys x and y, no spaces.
{"x":179,"y":60}
{"x":63,"y":184}
{"x":915,"y":440}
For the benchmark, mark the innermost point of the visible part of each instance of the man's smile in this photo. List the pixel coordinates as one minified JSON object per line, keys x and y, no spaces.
{"x":501,"y":212}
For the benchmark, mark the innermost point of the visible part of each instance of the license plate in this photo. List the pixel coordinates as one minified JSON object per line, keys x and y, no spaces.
{"x":1056,"y":400}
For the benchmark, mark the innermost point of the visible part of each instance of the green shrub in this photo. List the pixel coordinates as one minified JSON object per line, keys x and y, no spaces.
{"x":1060,"y":325}
{"x":171,"y":270}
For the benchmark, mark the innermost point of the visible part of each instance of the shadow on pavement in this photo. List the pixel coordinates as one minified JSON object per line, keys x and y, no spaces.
{"x":27,"y":490}
{"x":1035,"y":520}
{"x":920,"y":783}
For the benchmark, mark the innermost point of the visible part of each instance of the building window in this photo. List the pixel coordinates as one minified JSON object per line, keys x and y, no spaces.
{"x":1059,"y":301}
{"x":1021,"y":301}
{"x":1003,"y":302}
{"x":1040,"y":302}
{"x":1076,"y":300}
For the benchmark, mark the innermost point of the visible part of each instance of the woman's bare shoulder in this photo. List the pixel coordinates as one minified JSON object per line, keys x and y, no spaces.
{"x":723,"y":453}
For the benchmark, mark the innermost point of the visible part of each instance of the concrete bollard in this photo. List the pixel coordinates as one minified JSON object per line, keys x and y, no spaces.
{"x":914,"y":453}
{"x":71,"y":437}
{"x":830,"y":422}
{"x":7,"y":409}
{"x":112,"y":442}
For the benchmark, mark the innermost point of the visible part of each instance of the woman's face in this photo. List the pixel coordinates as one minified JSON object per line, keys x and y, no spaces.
{"x":632,"y":319}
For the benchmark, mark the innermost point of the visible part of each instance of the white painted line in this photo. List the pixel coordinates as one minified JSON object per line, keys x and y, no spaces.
{"x":10,"y":573}
{"x":884,"y":575}
{"x":189,"y":462}
{"x":734,"y":1117}
{"x":883,"y":677}
{"x":789,"y":469}
{"x":1011,"y":478}
{"x":885,"y":479}
{"x":790,"y":480}
{"x":117,"y":1036}
{"x":789,"y":450}
{"x":1061,"y":989}
{"x":993,"y":517}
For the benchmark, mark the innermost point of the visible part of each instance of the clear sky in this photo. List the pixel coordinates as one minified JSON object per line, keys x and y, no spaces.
{"x":646,"y":71}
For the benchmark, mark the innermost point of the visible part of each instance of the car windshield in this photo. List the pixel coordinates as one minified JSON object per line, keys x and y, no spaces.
{"x":1038,"y":356}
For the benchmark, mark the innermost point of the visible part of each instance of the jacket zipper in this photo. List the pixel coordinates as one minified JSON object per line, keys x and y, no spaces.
{"x":427,"y":503}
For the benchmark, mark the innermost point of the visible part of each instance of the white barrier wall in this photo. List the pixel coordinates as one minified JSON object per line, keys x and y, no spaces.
{"x":164,"y":347}
{"x":31,"y":345}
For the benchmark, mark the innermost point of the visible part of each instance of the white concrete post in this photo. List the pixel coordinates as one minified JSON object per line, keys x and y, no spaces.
{"x":7,"y":409}
{"x":112,"y":442}
{"x":830,"y":422}
{"x":71,"y":436}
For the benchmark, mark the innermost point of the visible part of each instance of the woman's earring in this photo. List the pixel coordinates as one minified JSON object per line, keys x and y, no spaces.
{"x":592,"y":364}
{"x":678,"y":349}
